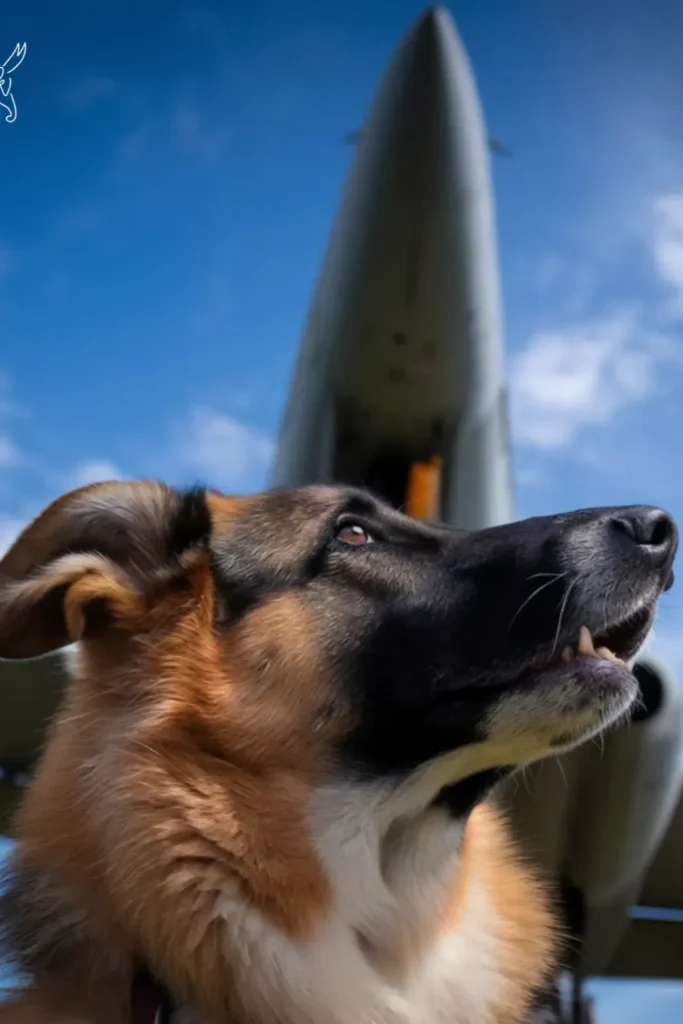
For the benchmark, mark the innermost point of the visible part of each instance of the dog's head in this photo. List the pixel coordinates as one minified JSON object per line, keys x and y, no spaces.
{"x":319,"y":626}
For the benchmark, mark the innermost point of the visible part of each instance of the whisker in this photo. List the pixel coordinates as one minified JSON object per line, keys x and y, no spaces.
{"x":565,"y":600}
{"x":599,"y":742}
{"x":559,"y":764}
{"x":604,"y":612}
{"x":535,"y":593}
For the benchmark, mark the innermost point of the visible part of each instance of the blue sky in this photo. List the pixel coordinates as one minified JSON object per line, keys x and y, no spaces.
{"x":166,"y":196}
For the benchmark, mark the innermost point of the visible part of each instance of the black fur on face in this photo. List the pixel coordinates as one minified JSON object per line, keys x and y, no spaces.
{"x":438,"y":638}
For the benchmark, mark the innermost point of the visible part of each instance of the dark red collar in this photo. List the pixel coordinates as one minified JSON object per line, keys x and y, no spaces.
{"x":149,"y":1001}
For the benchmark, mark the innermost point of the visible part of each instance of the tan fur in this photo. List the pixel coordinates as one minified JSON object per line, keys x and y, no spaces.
{"x":203,"y":787}
{"x":176,"y":779}
{"x":529,"y":936}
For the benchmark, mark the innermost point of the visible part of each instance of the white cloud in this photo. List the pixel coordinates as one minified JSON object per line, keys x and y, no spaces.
{"x":92,"y":472}
{"x":229,"y":453}
{"x":572,"y":378}
{"x":581,"y":376}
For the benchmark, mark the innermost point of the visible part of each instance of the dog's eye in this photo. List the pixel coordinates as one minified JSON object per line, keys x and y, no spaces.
{"x":354,"y":534}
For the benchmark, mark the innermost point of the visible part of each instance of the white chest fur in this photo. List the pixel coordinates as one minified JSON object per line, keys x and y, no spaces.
{"x":387,"y":952}
{"x":331,"y":982}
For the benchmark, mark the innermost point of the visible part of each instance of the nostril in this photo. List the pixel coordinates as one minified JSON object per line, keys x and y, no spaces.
{"x":626,"y":527}
{"x":647,"y":527}
{"x":662,"y":531}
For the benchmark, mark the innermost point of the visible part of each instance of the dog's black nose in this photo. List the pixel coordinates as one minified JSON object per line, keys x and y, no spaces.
{"x":652,"y":529}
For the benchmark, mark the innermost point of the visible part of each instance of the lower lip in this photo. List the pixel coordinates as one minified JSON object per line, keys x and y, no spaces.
{"x":590,"y":669}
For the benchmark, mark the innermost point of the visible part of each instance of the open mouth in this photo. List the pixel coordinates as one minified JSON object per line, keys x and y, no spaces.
{"x":616,"y":643}
{"x":624,"y":638}
{"x":586,"y":646}
{"x":599,"y":657}
{"x":601,"y":653}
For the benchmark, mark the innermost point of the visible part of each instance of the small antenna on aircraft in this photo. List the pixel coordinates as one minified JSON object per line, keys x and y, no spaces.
{"x":498,"y":148}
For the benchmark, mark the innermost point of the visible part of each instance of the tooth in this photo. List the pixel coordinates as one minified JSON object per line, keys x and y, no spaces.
{"x":586,"y":642}
{"x":604,"y":652}
{"x":587,"y":647}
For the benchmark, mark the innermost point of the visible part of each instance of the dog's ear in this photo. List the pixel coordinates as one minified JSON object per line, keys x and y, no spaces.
{"x":94,"y":551}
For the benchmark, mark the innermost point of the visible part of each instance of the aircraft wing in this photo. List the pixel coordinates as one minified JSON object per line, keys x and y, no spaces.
{"x":663,"y":887}
{"x":651,"y":947}
{"x":650,"y":937}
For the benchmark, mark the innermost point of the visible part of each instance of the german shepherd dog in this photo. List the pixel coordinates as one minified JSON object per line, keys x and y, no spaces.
{"x":265,"y":791}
